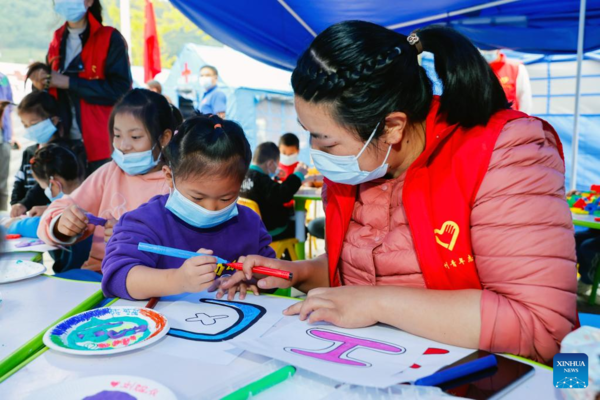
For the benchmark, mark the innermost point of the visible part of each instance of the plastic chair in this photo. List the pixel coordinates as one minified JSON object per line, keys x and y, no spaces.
{"x":280,"y":246}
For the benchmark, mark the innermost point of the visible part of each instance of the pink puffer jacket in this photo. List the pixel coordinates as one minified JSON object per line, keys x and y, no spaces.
{"x":522,"y":236}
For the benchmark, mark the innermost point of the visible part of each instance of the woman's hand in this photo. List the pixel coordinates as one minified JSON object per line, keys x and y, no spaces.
{"x":37,"y":211}
{"x":17,"y":210}
{"x":72,"y":222}
{"x":59,"y":81}
{"x":242,"y":285}
{"x":346,"y":306}
{"x":196,"y":273}
{"x":264,"y":282}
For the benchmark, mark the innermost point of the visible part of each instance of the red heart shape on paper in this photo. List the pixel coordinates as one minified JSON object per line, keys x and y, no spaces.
{"x":114,"y":384}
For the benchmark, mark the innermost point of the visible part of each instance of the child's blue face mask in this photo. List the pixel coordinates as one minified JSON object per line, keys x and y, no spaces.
{"x":135,"y":163}
{"x":48,"y":192}
{"x":41,"y":132}
{"x":196,"y":215}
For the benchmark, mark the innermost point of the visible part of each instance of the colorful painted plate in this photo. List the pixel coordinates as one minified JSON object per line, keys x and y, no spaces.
{"x":106,"y":387}
{"x":17,"y":270}
{"x":107,"y":330}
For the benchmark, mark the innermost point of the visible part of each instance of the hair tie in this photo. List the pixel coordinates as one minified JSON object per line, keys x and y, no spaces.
{"x":32,"y":160}
{"x":176,"y":132}
{"x":217,"y":126}
{"x":414,"y":40}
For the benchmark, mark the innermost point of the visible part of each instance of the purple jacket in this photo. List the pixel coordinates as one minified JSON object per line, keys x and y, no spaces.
{"x":153,"y":223}
{"x":6,"y":94}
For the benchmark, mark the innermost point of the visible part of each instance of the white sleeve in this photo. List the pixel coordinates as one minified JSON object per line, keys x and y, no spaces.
{"x":524,"y":93}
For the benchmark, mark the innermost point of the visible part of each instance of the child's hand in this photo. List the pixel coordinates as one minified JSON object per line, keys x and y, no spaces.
{"x":72,"y":222}
{"x":17,"y":210}
{"x":241,"y":285}
{"x":197,"y":273}
{"x":301,"y":168}
{"x":37,"y":211}
{"x":108,"y":227}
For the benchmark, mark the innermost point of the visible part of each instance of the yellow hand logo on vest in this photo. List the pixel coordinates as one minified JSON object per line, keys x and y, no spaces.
{"x":447,"y":235}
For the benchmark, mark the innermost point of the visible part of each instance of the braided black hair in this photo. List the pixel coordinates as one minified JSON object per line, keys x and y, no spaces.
{"x":365,"y":72}
{"x":208,"y":145}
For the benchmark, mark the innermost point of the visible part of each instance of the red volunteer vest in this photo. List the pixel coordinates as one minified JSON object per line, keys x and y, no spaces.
{"x":507,"y":72}
{"x":94,"y":117}
{"x":439,"y":193}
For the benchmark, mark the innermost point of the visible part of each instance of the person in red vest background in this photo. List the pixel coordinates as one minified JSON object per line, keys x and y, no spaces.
{"x":445,"y":216}
{"x":90,"y":72}
{"x":513,"y":77}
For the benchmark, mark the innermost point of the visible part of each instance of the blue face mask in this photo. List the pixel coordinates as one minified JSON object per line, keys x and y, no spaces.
{"x":345,"y":169}
{"x":48,"y":192}
{"x":71,"y":10}
{"x":135,"y":163}
{"x":41,"y":132}
{"x":196,"y":215}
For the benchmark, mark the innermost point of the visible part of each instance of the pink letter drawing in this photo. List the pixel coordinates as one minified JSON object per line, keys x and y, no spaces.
{"x":343,"y":345}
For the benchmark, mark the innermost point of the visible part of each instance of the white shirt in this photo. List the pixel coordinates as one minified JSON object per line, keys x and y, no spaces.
{"x":74,"y":47}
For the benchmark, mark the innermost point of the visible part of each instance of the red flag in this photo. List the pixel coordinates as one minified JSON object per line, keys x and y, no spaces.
{"x":151,"y":49}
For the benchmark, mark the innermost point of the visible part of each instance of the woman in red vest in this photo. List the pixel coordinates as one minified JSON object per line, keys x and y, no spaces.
{"x":90,"y":72}
{"x":445,"y":216}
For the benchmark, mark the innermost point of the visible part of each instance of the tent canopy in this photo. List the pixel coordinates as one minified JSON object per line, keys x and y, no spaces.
{"x":276,"y":32}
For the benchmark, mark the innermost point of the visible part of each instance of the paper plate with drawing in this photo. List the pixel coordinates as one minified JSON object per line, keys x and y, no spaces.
{"x":107,"y":330}
{"x":106,"y":387}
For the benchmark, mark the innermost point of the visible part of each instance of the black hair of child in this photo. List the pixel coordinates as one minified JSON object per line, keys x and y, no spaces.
{"x":290,"y":140}
{"x":208,"y":145}
{"x":264,"y":152}
{"x":54,"y":160}
{"x":151,"y":108}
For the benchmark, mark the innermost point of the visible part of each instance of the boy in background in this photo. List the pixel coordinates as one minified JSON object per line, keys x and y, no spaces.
{"x":271,"y":196}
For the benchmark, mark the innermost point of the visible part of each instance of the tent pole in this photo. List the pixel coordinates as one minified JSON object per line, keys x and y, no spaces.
{"x":126,"y":24}
{"x":575,"y":140}
{"x":297,"y":17}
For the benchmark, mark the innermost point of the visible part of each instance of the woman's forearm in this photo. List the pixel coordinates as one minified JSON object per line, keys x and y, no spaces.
{"x":144,"y":282}
{"x":448,"y":316}
{"x":311,"y":274}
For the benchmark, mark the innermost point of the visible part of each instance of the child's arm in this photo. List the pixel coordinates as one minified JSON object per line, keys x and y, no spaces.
{"x":133,"y":274}
{"x":26,"y":227}
{"x":281,"y":193}
{"x":194,"y":275}
{"x":87,"y":197}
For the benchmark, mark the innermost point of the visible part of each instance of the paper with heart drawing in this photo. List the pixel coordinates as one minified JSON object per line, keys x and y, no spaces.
{"x":367,"y":356}
{"x":202,"y":326}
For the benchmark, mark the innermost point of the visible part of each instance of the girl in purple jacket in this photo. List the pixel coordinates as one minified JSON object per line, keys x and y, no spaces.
{"x":207,"y":160}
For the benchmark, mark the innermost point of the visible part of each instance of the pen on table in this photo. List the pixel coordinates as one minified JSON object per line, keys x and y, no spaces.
{"x":171,"y":252}
{"x":458,"y":371}
{"x":152,"y":302}
{"x":262,"y":384}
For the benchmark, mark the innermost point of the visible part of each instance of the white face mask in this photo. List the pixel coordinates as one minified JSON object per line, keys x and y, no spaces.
{"x":206,"y":82}
{"x":288,"y":160}
{"x":345,"y":169}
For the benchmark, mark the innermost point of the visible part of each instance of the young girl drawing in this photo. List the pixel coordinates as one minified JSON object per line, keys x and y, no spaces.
{"x":142,"y":123}
{"x":206,"y":163}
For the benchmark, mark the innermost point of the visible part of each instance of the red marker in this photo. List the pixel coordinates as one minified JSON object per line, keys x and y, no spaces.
{"x":277,"y":273}
{"x":597,"y":219}
{"x":13,"y":236}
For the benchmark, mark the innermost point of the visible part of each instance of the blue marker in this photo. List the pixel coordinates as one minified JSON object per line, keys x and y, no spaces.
{"x":177,"y":253}
{"x":458,"y":371}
